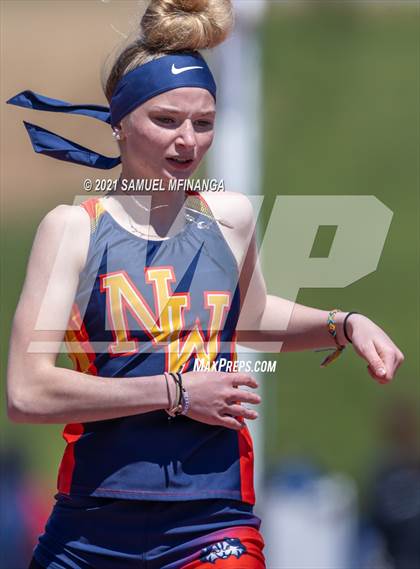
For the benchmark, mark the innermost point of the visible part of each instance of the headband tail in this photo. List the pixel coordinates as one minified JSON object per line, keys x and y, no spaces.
{"x":56,"y":146}
{"x":30,"y":100}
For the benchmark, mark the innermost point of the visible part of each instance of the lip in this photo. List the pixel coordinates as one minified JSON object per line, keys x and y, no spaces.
{"x":178,"y":165}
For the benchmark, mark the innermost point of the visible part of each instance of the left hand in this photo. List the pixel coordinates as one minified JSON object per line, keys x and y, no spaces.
{"x":375,"y":346}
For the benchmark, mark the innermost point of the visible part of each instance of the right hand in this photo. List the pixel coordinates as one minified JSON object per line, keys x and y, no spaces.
{"x":216,"y":399}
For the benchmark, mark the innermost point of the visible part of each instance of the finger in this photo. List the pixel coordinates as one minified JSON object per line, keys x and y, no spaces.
{"x":232,"y":423}
{"x":242,"y":379}
{"x":244,"y":396}
{"x":394,"y":366}
{"x":373,"y":376}
{"x":400,"y":360}
{"x":387,"y":353}
{"x":376,"y":364}
{"x":241,"y":411}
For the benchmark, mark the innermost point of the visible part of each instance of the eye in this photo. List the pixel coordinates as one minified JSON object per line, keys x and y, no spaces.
{"x":166,"y":120}
{"x":204,"y":124}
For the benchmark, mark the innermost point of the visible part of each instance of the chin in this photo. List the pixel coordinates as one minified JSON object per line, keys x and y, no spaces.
{"x":166,"y":175}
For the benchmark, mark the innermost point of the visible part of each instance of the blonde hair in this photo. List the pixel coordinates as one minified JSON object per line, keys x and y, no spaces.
{"x":172,"y":26}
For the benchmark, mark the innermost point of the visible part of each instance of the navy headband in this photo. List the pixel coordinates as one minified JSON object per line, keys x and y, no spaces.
{"x":135,"y":88}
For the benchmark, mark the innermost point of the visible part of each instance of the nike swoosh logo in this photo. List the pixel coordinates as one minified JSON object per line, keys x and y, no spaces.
{"x":178,"y":70}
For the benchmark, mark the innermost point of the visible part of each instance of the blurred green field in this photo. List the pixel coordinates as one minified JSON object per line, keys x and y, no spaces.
{"x":341,"y":117}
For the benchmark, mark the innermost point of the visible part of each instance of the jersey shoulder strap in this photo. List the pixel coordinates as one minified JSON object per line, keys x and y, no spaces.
{"x":196,"y":202}
{"x":94,"y":209}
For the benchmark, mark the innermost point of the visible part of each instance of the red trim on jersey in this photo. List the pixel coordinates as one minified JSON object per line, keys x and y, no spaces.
{"x":90,"y":206}
{"x":71,"y":434}
{"x":246,"y":465}
{"x":198,"y":195}
{"x":76,"y":334}
{"x":94,"y":209}
{"x":233,"y":352}
{"x":246,"y":450}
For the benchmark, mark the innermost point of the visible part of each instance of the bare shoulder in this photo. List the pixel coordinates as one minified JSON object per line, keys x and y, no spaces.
{"x":234,"y":214}
{"x":233,"y":208}
{"x":62,"y":216}
{"x":65,"y":228}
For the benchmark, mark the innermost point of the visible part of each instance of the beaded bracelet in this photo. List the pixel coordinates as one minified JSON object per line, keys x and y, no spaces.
{"x":332,"y":329}
{"x":187,"y":403}
{"x":184,"y":398}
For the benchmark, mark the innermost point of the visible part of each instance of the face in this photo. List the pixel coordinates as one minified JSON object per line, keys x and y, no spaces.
{"x":168,"y":136}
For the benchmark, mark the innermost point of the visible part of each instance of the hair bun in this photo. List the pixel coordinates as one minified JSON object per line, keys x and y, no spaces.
{"x":191,"y":5}
{"x":186,"y":25}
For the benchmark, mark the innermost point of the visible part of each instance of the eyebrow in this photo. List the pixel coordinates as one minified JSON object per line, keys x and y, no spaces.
{"x":177,"y":111}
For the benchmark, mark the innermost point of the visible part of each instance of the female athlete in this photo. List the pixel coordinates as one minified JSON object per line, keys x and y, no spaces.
{"x":158,"y":468}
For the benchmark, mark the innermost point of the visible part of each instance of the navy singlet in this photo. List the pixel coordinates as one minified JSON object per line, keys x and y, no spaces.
{"x":143,"y":307}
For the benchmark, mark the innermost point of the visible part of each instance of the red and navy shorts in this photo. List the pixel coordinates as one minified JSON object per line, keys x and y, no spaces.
{"x":103,"y":533}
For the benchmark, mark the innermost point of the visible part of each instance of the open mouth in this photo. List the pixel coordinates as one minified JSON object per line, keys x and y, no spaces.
{"x":180,"y":163}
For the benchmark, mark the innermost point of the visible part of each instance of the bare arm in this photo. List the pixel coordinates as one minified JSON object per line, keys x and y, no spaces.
{"x":38,"y":391}
{"x":267,"y":322}
{"x":306,"y":328}
{"x":270,"y":323}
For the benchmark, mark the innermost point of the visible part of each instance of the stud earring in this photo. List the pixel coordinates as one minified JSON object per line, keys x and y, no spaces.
{"x":116,"y":135}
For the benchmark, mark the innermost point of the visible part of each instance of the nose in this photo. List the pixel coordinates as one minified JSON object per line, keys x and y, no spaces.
{"x":186,"y":135}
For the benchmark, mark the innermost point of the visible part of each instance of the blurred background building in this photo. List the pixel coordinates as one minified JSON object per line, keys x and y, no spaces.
{"x":338,"y":114}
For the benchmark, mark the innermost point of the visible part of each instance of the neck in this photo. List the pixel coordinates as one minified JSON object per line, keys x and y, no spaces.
{"x":159,"y":209}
